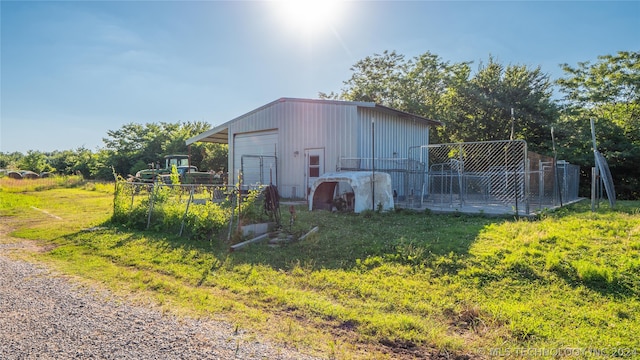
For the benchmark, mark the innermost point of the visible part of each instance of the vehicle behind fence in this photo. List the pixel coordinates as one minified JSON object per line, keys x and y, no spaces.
{"x":198,"y":210}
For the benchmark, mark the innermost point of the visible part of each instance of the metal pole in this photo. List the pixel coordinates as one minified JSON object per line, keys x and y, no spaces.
{"x":512,"y":125}
{"x":239,"y":202}
{"x":594,"y":182}
{"x":186,"y":211}
{"x":558,"y":188}
{"x":460,"y":171}
{"x":540,"y":183}
{"x":515,"y":182}
{"x":593,"y":135}
{"x":233,"y":209}
{"x":373,"y":165}
{"x":153,"y":191}
{"x":261,"y":170}
{"x":595,"y":171}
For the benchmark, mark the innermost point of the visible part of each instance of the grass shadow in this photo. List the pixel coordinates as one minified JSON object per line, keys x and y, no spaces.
{"x":345,"y":240}
{"x":597,"y":280}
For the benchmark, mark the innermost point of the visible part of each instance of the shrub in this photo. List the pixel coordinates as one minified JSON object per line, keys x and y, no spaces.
{"x":169,"y":212}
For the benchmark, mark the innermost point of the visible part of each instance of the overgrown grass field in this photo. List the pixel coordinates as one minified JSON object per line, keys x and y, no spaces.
{"x":394,"y":285}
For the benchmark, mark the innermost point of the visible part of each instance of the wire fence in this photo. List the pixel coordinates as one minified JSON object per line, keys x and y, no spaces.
{"x":407,"y":175}
{"x":198,"y":209}
{"x":496,"y":176}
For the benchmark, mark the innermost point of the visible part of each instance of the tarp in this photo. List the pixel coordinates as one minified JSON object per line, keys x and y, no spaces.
{"x":323,"y":190}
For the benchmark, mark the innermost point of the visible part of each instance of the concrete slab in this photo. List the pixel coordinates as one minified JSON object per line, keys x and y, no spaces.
{"x":486,"y":209}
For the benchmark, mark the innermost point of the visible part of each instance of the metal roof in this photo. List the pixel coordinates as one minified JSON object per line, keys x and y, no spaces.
{"x":220,"y":133}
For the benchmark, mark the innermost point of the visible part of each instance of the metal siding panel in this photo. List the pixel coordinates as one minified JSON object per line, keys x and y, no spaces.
{"x":392,"y":134}
{"x":300,"y":126}
{"x":292,"y":140}
{"x":254,"y":122}
{"x":258,"y":143}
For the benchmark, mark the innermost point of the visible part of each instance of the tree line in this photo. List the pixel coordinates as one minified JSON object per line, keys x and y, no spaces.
{"x":488,"y":101}
{"x":498,"y":102}
{"x":127,"y":150}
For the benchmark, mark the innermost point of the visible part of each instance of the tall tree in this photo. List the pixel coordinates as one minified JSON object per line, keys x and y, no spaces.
{"x":417,"y":85}
{"x":134,"y":146}
{"x":375,"y":79}
{"x":35,"y":161}
{"x":609,"y":92}
{"x":480,"y":109}
{"x":474,"y":107}
{"x":10,"y":160}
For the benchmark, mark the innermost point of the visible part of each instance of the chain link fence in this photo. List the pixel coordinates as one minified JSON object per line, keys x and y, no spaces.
{"x":492,"y":176}
{"x":174,"y":207}
{"x":407,"y":175}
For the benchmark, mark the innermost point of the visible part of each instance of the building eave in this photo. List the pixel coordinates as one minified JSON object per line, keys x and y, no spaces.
{"x":220,"y":133}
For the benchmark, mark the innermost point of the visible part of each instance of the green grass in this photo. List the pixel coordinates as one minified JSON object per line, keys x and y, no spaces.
{"x":21,"y":185}
{"x":372,"y":285}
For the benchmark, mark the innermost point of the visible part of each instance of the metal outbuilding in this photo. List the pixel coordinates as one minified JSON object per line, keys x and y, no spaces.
{"x":291,"y":142}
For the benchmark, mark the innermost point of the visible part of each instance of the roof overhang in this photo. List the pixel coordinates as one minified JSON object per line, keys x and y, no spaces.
{"x":220,"y":133}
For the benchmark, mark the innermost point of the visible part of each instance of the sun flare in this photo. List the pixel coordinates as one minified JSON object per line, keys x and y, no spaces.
{"x":309,"y":17}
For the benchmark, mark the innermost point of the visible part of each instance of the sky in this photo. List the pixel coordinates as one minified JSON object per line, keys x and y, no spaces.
{"x":70,"y":71}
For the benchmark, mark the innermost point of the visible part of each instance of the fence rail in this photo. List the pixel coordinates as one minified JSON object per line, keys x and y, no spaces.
{"x":499,"y":175}
{"x":407,"y":175}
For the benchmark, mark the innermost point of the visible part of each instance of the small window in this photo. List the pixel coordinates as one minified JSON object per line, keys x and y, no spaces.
{"x":314,"y":166}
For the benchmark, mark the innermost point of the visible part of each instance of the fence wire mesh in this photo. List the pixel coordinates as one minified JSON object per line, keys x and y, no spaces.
{"x":491,"y":173}
{"x":407,"y":175}
{"x":499,"y":175}
{"x":171,"y":206}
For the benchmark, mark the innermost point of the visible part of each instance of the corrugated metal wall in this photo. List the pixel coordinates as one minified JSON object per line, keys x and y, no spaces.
{"x":391,"y":139}
{"x":303,"y":125}
{"x":393,"y":135}
{"x":342,"y":130}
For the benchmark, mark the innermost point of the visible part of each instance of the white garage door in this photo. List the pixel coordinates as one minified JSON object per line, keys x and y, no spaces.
{"x":255,"y":153}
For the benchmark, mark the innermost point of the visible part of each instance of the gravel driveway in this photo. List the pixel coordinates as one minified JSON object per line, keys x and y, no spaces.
{"x":45,"y":316}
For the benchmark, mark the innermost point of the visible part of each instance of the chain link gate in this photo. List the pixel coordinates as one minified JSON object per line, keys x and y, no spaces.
{"x":492,"y":173}
{"x":499,"y":177}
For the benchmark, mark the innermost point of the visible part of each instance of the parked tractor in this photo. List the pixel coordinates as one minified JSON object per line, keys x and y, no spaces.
{"x":188,"y":174}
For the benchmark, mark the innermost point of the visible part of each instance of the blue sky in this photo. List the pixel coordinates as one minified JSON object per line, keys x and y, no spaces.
{"x":71,"y":71}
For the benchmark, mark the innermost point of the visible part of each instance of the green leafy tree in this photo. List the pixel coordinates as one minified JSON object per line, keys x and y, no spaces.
{"x":214,"y":157}
{"x":416,"y":85}
{"x":100,"y":165}
{"x":10,"y":160}
{"x":609,"y":92}
{"x":474,"y":107}
{"x":63,"y":161}
{"x":376,"y":79}
{"x":69,"y":162}
{"x":134,"y":146}
{"x":35,"y":161}
{"x":480,"y":108}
